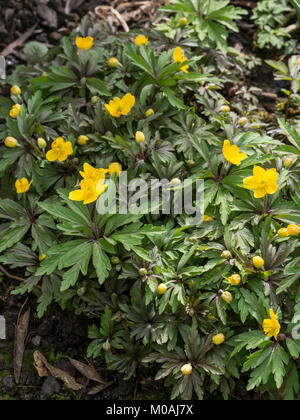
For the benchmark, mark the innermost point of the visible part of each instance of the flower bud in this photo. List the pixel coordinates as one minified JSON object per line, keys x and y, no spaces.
{"x":143,"y":272}
{"x":115,"y":260}
{"x":15,"y":90}
{"x":225,"y":108}
{"x":113,"y":62}
{"x":207,"y":218}
{"x":11,"y":142}
{"x":139,"y":137}
{"x":212,"y":86}
{"x":227,"y":297}
{"x":106,"y":346}
{"x":258,"y":262}
{"x":15,"y":111}
{"x":41,"y":143}
{"x":186,"y":369}
{"x":94,"y":99}
{"x":149,"y":112}
{"x":226,"y":254}
{"x":175,"y":182}
{"x":243,"y":121}
{"x":288,"y":162}
{"x":293,"y":230}
{"x":235,"y":279}
{"x":190,"y":162}
{"x":161,"y":288}
{"x":82,"y":140}
{"x":218,"y":339}
{"x":183,"y":21}
{"x":283,"y":233}
{"x":81,"y":291}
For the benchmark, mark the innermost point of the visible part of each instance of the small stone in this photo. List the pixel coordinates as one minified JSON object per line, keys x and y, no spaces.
{"x":50,"y":386}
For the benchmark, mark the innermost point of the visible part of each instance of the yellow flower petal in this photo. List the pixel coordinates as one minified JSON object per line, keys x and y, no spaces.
{"x":260,"y":192}
{"x":51,"y":155}
{"x":77,"y":195}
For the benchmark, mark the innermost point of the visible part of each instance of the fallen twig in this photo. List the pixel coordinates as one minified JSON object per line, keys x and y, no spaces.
{"x":10,"y":276}
{"x":18,"y":42}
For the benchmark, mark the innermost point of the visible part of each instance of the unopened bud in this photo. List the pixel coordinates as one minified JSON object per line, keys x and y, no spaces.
{"x":143,"y":272}
{"x":10,"y":142}
{"x":139,"y":137}
{"x":41,"y":143}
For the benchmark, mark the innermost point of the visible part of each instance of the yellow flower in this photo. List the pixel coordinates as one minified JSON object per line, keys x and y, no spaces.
{"x":15,"y":111}
{"x":293,"y":230}
{"x":115,"y":167}
{"x":258,"y":262}
{"x":218,"y":339}
{"x":141,"y":39}
{"x":93,"y":174}
{"x":262,"y":182}
{"x":120,"y":106}
{"x":89,"y":191}
{"x":10,"y":142}
{"x":235,"y":279}
{"x":60,"y":150}
{"x":283,"y":233}
{"x":15,"y":90}
{"x":149,"y":112}
{"x":42,"y":257}
{"x":186,"y":369}
{"x":22,"y":185}
{"x":179,"y":57}
{"x":113,"y":62}
{"x":82,"y":140}
{"x":271,"y":326}
{"x":84,"y":43}
{"x":232,"y":153}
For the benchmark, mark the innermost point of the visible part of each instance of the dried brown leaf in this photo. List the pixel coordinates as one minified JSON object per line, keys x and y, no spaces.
{"x":45,"y":369}
{"x":19,"y":346}
{"x":87,"y":371}
{"x":99,"y":388}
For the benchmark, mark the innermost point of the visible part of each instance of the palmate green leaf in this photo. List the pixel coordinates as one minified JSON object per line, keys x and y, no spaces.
{"x":138,"y":61}
{"x":19,"y":256}
{"x":291,"y":385}
{"x":70,"y":277}
{"x":27,"y":286}
{"x":174,"y":101}
{"x":96,"y":87}
{"x":250,"y":340}
{"x":74,"y":214}
{"x":101,"y":262}
{"x":9,"y":157}
{"x":17,"y":231}
{"x":49,"y":289}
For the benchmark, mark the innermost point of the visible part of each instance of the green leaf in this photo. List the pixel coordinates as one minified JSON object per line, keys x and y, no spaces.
{"x":101,"y":262}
